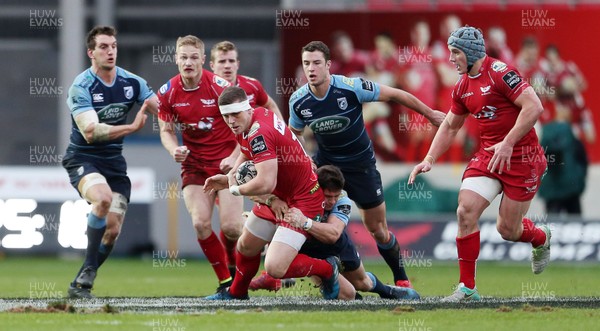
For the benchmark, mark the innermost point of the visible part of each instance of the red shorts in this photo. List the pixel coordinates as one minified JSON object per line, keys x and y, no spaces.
{"x":521,"y":182}
{"x":195,"y":174}
{"x":312,"y":209}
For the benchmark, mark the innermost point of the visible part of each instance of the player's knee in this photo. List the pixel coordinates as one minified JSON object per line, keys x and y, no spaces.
{"x":231,"y":231}
{"x":347,"y":292}
{"x":102,"y":204}
{"x":203,"y":228}
{"x":507,"y":232}
{"x":380,"y":235}
{"x":363,"y":285}
{"x":111,"y":234}
{"x":274,"y":270}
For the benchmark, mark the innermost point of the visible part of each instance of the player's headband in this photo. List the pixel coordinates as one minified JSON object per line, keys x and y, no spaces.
{"x":235,"y":107}
{"x":469,"y":40}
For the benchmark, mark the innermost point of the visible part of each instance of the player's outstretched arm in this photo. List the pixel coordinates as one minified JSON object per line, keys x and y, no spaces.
{"x":406,"y":99}
{"x":441,"y":142}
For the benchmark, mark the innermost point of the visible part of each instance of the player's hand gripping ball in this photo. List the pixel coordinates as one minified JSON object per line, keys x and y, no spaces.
{"x":245,"y":172}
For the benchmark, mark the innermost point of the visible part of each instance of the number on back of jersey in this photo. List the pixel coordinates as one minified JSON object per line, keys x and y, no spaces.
{"x":245,"y":172}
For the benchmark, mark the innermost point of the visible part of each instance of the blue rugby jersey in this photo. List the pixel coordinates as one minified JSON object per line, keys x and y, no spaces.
{"x":112,"y":103}
{"x":341,"y":210}
{"x":337,"y":119}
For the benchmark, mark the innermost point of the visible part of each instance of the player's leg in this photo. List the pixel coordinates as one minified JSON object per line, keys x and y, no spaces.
{"x":475,"y":195}
{"x":513,"y":226}
{"x":121,"y":187}
{"x":200,"y":206}
{"x":232,"y":222}
{"x":519,"y":188}
{"x":347,"y":290}
{"x":283,"y":261}
{"x":366,"y":190}
{"x":93,"y":188}
{"x":354,"y":271}
{"x":255,"y":235}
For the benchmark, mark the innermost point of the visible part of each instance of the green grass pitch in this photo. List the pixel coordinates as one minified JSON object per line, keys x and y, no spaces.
{"x":152,"y":295}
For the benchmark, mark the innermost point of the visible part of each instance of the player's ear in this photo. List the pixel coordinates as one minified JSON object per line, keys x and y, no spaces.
{"x":90,"y":53}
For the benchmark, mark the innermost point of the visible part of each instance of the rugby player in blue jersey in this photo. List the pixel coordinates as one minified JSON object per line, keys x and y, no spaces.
{"x":99,"y":100}
{"x":331,"y":105}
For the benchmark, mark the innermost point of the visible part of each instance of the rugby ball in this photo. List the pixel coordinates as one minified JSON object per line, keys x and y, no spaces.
{"x":245,"y":172}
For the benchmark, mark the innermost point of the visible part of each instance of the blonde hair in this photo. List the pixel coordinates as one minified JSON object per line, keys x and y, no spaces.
{"x":223,"y":46}
{"x":190,"y":40}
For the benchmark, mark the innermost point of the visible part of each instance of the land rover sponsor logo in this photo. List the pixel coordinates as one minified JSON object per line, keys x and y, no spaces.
{"x":330,"y":125}
{"x":112,"y":112}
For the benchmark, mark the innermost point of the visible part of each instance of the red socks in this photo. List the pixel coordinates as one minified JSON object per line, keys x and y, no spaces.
{"x":531,"y":234}
{"x":468,"y":252}
{"x":215,"y":253}
{"x":247,"y":267}
{"x":229,"y":248}
{"x":304,"y":266}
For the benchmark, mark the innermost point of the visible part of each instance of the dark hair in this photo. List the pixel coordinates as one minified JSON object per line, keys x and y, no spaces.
{"x":330,"y":178}
{"x":231,"y":95}
{"x":317,"y":46}
{"x":90,"y":40}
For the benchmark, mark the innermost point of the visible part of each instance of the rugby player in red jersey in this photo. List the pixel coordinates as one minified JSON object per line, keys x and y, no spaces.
{"x":225,"y":63}
{"x":285,"y":170}
{"x":188,"y":103}
{"x":510,"y":159}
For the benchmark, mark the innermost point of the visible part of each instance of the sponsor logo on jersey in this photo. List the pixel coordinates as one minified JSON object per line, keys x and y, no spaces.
{"x":254,"y":129}
{"x":205,"y":123}
{"x":344,"y":209}
{"x":163,"y":89}
{"x":112,"y":112}
{"x":342,"y":103}
{"x":487,"y":112}
{"x":330,"y":125}
{"x":128,"y":90}
{"x":258,"y":145}
{"x":468,"y":94}
{"x":306,"y":112}
{"x":367,"y":84}
{"x":181,"y":104}
{"x":348,"y":81}
{"x":207,"y":102}
{"x":498,"y":66}
{"x":485,"y":90}
{"x":98,"y":97}
{"x":511,"y":79}
{"x":220,"y":81}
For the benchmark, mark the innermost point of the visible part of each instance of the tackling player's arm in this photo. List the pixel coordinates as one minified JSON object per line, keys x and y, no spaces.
{"x":406,"y":99}
{"x":329,"y":232}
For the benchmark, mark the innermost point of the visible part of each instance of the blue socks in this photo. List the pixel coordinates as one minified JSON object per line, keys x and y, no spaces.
{"x":390,"y":252}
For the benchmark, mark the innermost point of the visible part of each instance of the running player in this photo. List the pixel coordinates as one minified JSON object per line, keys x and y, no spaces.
{"x":225,"y":63}
{"x":100,"y":99}
{"x":331,"y":105}
{"x":328,"y":238}
{"x":510,"y":159}
{"x":283,"y":169}
{"x":188,"y":101}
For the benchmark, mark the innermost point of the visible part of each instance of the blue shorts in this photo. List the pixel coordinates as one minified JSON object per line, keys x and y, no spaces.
{"x":363,"y":184}
{"x":113,"y":169}
{"x":343,"y":248}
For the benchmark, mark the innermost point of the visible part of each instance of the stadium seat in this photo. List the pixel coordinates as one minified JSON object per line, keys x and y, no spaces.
{"x":445,"y":5}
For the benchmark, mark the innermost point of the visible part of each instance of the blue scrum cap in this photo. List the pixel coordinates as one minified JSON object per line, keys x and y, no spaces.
{"x":469,"y":40}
